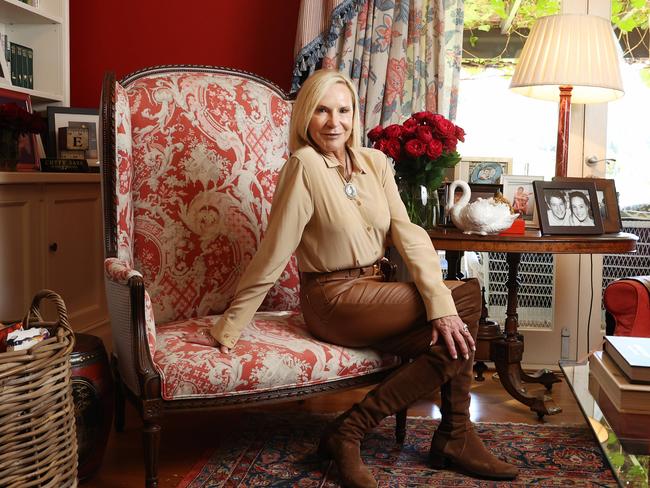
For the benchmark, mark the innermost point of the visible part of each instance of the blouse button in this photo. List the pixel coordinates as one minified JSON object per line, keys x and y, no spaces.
{"x":358,"y":203}
{"x":368,"y":228}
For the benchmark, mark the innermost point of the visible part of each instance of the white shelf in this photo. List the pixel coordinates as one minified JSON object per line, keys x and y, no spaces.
{"x":17,"y":12}
{"x":38,"y":96}
{"x":45,"y":29}
{"x":14,"y":177}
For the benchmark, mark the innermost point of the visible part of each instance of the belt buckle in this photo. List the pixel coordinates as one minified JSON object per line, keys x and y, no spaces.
{"x":376,"y":269}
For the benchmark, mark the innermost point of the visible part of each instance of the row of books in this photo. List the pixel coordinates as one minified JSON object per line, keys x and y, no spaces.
{"x":20,"y":62}
{"x":619,"y":381}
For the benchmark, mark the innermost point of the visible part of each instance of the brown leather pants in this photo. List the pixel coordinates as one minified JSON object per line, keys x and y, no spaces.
{"x":356,"y":308}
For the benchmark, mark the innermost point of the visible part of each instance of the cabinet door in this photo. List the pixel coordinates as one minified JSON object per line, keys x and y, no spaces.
{"x":21,"y":261}
{"x":73,"y":242}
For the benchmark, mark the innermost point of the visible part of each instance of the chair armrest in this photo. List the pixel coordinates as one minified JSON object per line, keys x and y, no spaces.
{"x":119,"y":271}
{"x":133,"y":324}
{"x":628,"y":301}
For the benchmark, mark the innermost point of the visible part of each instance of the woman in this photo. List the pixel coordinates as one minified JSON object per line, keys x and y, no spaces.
{"x":580,"y":209}
{"x":335,"y":204}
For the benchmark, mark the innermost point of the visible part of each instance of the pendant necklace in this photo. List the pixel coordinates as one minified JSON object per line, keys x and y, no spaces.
{"x":348,"y":188}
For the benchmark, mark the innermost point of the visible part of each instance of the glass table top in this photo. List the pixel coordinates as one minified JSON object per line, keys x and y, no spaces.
{"x":628,"y":458}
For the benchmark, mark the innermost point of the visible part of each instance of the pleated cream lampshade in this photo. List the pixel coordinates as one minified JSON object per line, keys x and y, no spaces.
{"x":574,"y":50}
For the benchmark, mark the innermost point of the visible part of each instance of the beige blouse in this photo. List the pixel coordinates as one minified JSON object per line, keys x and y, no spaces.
{"x":312,"y":216}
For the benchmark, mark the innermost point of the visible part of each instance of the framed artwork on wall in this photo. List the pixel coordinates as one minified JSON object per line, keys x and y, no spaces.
{"x":58,"y":117}
{"x":568,"y":207}
{"x":521,"y":195}
{"x":607,"y":201}
{"x":483,"y":169}
{"x":27,"y":157}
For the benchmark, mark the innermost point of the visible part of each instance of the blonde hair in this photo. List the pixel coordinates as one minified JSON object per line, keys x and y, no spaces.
{"x":309,"y":96}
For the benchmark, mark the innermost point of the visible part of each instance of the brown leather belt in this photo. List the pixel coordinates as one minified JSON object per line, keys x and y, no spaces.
{"x":371,"y":270}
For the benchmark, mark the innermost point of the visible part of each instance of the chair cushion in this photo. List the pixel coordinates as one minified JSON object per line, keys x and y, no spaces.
{"x":275,"y":351}
{"x":628,"y":300}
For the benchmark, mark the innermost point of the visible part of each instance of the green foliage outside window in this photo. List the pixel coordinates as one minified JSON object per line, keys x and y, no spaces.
{"x":628,"y":17}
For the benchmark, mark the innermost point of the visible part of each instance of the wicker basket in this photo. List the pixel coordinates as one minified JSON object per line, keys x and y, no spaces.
{"x":38,"y":442}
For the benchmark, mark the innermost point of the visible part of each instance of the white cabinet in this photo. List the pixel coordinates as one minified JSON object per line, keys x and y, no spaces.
{"x":46,"y":30}
{"x":51,"y":228}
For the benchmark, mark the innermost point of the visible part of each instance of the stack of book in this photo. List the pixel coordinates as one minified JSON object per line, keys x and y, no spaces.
{"x":619,"y":381}
{"x":20,"y":62}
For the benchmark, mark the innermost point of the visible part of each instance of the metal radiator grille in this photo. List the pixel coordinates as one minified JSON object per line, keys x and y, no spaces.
{"x":617,"y":266}
{"x":535,"y":297}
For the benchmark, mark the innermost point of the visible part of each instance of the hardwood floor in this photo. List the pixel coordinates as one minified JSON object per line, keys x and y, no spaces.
{"x":185,"y":437}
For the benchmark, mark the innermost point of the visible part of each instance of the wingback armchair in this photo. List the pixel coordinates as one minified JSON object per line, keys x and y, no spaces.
{"x":190,"y":158}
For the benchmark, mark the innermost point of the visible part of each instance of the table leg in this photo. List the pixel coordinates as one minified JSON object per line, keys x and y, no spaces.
{"x":453,"y":265}
{"x":488,"y":330}
{"x":507,"y":353}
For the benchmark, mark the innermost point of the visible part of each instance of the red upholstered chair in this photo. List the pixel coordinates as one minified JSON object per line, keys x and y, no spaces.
{"x":628,"y":301}
{"x":190,"y":158}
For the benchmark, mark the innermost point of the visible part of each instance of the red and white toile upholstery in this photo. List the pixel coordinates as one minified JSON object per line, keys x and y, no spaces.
{"x":190,"y":159}
{"x":275,"y":351}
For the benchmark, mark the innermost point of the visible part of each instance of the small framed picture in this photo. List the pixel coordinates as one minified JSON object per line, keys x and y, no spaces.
{"x":568,"y":207}
{"x":77,"y":118}
{"x":27,"y":159}
{"x":521,"y":195}
{"x":483,"y":170}
{"x":607,"y":202}
{"x":5,"y":75}
{"x":482,"y":190}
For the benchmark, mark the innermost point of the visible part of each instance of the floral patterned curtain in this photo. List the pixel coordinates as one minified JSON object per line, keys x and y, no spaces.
{"x":404,"y":55}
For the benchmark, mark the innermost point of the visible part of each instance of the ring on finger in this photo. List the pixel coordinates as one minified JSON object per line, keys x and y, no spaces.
{"x":465,"y":328}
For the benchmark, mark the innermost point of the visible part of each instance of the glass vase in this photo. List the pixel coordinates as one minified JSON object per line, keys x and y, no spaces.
{"x":422,"y":203}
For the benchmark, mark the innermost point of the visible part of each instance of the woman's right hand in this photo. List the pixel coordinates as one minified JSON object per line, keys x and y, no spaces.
{"x":455,"y":334}
{"x":203,"y":337}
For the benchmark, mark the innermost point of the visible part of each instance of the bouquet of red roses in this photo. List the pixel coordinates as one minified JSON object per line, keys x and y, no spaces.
{"x":18,"y":120}
{"x":421,"y":148}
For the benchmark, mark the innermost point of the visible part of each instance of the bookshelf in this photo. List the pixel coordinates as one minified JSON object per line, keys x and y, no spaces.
{"x":46,"y":30}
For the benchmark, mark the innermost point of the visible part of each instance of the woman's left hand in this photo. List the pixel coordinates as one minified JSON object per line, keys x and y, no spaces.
{"x":455,"y":333}
{"x":203,"y":337}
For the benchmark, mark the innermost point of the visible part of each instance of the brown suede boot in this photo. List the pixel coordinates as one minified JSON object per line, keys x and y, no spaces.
{"x":455,"y":441}
{"x":341,"y":440}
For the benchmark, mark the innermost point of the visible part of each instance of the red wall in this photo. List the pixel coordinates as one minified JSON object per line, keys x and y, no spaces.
{"x":127,"y":35}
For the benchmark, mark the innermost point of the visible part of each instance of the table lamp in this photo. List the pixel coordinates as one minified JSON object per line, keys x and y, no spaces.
{"x":569,"y":57}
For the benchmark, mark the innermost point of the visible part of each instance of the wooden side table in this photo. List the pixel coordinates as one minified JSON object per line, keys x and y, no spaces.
{"x":506,"y":351}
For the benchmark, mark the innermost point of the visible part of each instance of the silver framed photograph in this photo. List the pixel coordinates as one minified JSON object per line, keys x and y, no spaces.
{"x":483,"y":170}
{"x":520,"y":193}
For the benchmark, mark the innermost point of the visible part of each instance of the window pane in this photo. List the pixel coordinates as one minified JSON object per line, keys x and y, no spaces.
{"x":499,"y":122}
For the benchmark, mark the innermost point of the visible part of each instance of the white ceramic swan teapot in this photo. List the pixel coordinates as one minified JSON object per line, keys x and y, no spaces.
{"x":483,"y":216}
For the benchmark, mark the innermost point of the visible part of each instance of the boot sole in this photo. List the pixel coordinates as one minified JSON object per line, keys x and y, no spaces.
{"x":440,"y":461}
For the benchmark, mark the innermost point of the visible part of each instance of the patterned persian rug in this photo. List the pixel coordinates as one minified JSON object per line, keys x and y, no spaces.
{"x":279,"y":451}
